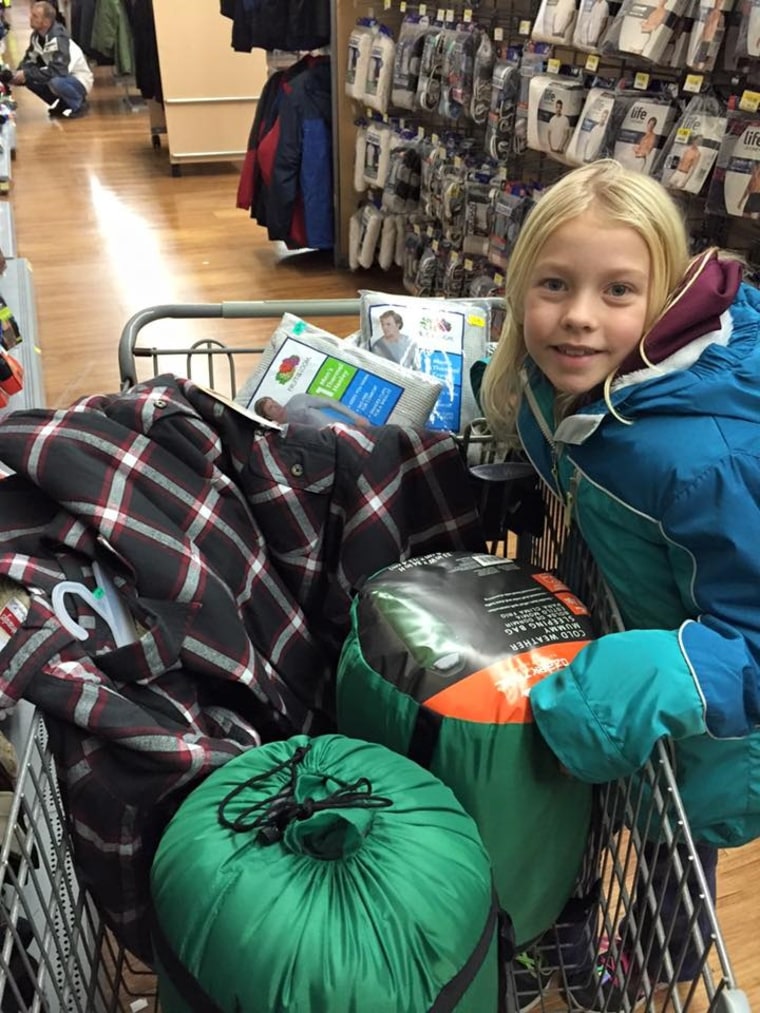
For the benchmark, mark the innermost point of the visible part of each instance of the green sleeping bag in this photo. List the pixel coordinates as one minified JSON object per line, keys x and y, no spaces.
{"x":438,"y":666}
{"x":325,"y":875}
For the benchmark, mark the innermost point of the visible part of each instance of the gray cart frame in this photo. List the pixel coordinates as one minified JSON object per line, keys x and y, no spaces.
{"x":72,"y":964}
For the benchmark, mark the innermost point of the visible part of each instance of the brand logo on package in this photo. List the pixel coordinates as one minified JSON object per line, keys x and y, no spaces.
{"x":287,"y":368}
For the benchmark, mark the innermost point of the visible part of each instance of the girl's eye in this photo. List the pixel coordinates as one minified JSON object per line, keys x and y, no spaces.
{"x":552,"y":284}
{"x":619,"y":290}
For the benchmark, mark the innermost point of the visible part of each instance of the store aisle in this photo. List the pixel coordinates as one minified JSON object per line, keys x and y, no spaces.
{"x":108,"y":231}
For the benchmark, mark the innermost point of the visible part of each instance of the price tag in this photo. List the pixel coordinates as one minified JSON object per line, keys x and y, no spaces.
{"x":641,"y":81}
{"x":449,"y":13}
{"x":420,"y":132}
{"x":499,"y":279}
{"x":592,"y":62}
{"x":682,"y":135}
{"x":553,"y":66}
{"x":693,"y":83}
{"x":417,"y":230}
{"x":422,"y":9}
{"x":429,"y":232}
{"x":434,"y":246}
{"x":468,"y":264}
{"x":749,"y":101}
{"x":402,"y":6}
{"x":467,"y":15}
{"x":498,"y":35}
{"x":454,"y":257}
{"x":457,"y":161}
{"x":524,"y":28}
{"x":386,"y":5}
{"x":439,"y":14}
{"x":435,"y":139}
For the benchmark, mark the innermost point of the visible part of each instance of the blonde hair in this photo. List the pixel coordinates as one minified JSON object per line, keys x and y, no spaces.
{"x":618,"y":196}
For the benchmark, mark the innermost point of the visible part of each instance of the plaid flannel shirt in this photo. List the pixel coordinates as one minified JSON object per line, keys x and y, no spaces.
{"x":237,"y":550}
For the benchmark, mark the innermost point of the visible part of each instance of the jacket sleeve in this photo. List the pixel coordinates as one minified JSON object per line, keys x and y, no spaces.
{"x":56,"y":61}
{"x":603,"y":714}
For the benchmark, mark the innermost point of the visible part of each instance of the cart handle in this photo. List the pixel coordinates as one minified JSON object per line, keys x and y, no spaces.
{"x":258,"y":308}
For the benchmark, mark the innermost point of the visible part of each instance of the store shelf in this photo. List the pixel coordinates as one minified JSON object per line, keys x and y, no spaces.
{"x":7,"y":144}
{"x":17,"y":288}
{"x":7,"y":230}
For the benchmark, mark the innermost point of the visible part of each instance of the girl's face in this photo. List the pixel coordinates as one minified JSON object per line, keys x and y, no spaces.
{"x":586,"y":301}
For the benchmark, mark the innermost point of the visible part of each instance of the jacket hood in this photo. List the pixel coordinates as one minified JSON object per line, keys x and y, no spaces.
{"x":715,"y":370}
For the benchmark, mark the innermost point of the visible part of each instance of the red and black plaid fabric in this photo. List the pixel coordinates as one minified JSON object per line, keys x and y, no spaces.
{"x":237,"y":549}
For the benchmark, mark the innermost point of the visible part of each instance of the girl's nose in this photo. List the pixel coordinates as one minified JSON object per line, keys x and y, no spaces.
{"x":580,"y":313}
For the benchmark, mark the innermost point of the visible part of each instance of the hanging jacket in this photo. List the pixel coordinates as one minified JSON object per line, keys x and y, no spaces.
{"x":236,"y":550}
{"x":147,"y":69}
{"x":300,"y":208}
{"x":669,"y":508}
{"x":286,"y":179}
{"x":112,"y":35}
{"x":292,"y":25}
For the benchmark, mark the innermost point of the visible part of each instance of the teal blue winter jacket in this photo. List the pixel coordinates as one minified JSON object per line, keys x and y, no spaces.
{"x":670,"y":507}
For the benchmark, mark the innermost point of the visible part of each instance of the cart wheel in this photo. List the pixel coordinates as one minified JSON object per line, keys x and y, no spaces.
{"x":156,"y":142}
{"x":176,"y":171}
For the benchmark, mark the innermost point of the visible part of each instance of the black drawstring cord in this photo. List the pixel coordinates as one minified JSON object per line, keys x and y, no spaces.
{"x":271,"y":815}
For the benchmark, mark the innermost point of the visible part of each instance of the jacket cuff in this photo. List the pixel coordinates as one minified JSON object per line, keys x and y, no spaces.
{"x":603,"y":714}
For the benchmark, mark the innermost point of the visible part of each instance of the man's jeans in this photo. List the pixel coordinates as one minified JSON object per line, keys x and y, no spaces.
{"x":67,"y":88}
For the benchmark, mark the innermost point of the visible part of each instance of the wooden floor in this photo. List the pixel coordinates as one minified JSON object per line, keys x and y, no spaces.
{"x":108,"y":231}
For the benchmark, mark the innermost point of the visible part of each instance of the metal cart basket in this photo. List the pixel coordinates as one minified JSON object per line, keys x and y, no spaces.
{"x":56,"y":955}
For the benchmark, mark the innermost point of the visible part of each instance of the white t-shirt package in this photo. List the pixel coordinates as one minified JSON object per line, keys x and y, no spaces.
{"x":318,"y":368}
{"x":589,"y":24}
{"x":554,"y":107}
{"x":554,"y":22}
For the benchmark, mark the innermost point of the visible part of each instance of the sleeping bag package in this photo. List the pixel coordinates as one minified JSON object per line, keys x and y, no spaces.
{"x":439,"y":663}
{"x":325,"y":875}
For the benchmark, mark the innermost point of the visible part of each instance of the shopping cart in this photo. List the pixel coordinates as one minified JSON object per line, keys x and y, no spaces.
{"x":56,"y":955}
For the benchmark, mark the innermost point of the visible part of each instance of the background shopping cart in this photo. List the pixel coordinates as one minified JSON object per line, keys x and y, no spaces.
{"x":55,"y":954}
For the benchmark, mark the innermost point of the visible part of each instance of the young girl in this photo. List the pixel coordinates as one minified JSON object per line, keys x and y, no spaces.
{"x":630,"y":375}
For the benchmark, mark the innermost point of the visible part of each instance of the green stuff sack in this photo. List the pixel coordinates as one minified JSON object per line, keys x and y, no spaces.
{"x":438,"y":666}
{"x":324,"y":875}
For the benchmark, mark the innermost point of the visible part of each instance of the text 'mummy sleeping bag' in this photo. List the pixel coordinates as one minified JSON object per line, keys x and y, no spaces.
{"x":438,"y":666}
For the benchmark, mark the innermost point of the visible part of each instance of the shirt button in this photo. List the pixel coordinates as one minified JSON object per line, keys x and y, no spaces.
{"x":160,"y":403}
{"x":296,"y":470}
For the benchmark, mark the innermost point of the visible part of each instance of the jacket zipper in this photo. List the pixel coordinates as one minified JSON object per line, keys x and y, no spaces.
{"x":567,"y":498}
